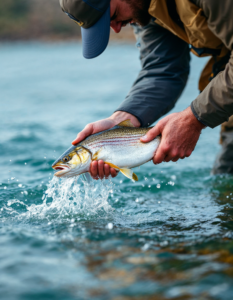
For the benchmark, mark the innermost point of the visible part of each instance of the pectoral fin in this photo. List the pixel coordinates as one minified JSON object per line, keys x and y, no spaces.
{"x":127,"y":172}
{"x":126,"y":123}
{"x":95,"y":156}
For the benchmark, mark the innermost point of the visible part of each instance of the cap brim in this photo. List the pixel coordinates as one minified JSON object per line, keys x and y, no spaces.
{"x":95,"y":39}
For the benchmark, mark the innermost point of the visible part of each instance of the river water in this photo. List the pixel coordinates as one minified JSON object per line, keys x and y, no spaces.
{"x":167,"y":236}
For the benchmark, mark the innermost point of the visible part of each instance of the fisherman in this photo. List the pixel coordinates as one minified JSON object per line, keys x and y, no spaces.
{"x":166,"y":31}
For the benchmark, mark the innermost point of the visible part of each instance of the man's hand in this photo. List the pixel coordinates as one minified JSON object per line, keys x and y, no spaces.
{"x":99,"y":169}
{"x":180,"y":133}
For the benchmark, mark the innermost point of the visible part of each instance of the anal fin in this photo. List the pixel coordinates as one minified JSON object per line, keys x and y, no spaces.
{"x":125,"y":171}
{"x":129,"y":173}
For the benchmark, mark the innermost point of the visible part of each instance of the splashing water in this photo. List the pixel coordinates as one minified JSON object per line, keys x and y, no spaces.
{"x":69,"y":198}
{"x":74,"y":196}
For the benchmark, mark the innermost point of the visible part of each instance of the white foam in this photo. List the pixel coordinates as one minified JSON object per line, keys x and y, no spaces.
{"x":73,"y":197}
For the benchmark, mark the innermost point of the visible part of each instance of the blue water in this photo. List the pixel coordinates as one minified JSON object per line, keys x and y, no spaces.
{"x":167,"y":236}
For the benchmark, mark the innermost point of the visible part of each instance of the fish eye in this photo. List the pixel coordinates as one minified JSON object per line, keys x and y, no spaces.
{"x":66,"y":159}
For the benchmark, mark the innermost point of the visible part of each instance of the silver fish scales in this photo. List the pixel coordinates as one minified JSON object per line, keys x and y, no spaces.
{"x":119,"y":147}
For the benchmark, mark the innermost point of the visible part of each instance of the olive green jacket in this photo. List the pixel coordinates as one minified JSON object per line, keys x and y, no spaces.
{"x":215,"y":104}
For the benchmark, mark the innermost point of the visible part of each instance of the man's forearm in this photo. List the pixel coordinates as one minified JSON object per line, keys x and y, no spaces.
{"x":163,"y":75}
{"x":215,"y":104}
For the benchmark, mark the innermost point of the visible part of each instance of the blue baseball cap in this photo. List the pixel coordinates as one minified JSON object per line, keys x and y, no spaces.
{"x":93,"y":16}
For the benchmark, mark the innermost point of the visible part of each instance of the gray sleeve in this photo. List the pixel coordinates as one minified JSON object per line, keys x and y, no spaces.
{"x":165,"y":68}
{"x":215,"y":104}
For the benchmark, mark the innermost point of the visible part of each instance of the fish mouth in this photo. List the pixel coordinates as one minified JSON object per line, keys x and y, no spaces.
{"x":63,"y":169}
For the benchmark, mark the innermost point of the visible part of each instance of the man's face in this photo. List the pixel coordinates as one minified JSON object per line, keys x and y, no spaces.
{"x":128,"y":11}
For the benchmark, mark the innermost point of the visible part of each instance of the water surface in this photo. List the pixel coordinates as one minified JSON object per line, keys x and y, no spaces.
{"x":167,"y":236}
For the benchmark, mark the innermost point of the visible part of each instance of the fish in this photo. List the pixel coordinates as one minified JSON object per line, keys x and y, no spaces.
{"x":119,"y":147}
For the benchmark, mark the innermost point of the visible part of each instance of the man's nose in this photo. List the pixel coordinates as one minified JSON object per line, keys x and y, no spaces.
{"x":116,"y":26}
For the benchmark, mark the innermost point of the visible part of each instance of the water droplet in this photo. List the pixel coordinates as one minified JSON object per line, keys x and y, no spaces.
{"x":5,"y":187}
{"x":20,"y":185}
{"x":109,"y":226}
{"x":158,"y":186}
{"x":25,"y":163}
{"x":12,"y":178}
{"x":159,"y":202}
{"x":163,"y":244}
{"x":142,"y":240}
{"x":173,"y":177}
{"x":146,"y":247}
{"x":137,"y":200}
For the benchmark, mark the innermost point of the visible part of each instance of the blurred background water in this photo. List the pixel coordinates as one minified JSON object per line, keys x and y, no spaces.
{"x":167,"y":236}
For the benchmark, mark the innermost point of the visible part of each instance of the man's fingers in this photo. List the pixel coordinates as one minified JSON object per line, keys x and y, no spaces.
{"x":175,"y":155}
{"x":167,"y":158}
{"x":151,"y":134}
{"x":94,"y":169}
{"x":159,"y":156}
{"x":106,"y":170}
{"x":101,"y":169}
{"x":172,"y":154}
{"x":88,"y":130}
{"x":81,"y":136}
{"x":175,"y":159}
{"x":113,"y":172}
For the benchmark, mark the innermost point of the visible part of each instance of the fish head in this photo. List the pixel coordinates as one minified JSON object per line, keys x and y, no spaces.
{"x":75,"y":161}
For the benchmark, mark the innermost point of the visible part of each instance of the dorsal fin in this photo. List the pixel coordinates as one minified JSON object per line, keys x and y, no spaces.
{"x":126,"y":123}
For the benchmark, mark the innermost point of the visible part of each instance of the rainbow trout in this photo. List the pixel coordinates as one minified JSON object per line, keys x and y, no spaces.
{"x":119,"y":147}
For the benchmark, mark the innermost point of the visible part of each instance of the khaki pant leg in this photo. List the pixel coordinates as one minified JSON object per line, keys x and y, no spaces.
{"x":225,"y":127}
{"x":224,"y":160}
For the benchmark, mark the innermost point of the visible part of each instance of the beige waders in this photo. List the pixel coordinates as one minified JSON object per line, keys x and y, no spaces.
{"x":224,"y":160}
